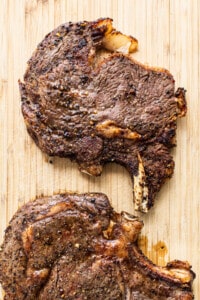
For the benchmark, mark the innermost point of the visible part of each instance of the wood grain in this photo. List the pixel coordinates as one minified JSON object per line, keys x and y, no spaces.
{"x":169,"y":36}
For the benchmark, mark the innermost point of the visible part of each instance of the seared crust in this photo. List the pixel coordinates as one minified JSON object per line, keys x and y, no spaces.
{"x":75,"y":246}
{"x":83,"y":99}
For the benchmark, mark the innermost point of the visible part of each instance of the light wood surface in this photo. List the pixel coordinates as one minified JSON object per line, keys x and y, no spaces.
{"x":168,"y":32}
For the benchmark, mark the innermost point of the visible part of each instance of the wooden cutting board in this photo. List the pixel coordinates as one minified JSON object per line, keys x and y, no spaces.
{"x":168,"y":32}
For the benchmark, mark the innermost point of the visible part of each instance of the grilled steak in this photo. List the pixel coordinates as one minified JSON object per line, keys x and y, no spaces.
{"x":75,"y":246}
{"x":83,"y":99}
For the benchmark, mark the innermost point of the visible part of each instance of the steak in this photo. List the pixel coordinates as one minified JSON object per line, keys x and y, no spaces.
{"x":84,"y":99}
{"x":75,"y":246}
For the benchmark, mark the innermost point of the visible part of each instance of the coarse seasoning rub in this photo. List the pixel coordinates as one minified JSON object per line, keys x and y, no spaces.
{"x":75,"y":246}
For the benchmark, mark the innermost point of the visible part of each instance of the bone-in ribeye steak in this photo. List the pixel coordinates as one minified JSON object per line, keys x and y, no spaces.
{"x":75,"y":246}
{"x":83,"y":99}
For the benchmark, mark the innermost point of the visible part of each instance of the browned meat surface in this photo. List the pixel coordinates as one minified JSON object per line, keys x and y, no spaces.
{"x":75,"y":246}
{"x":84,"y":100}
